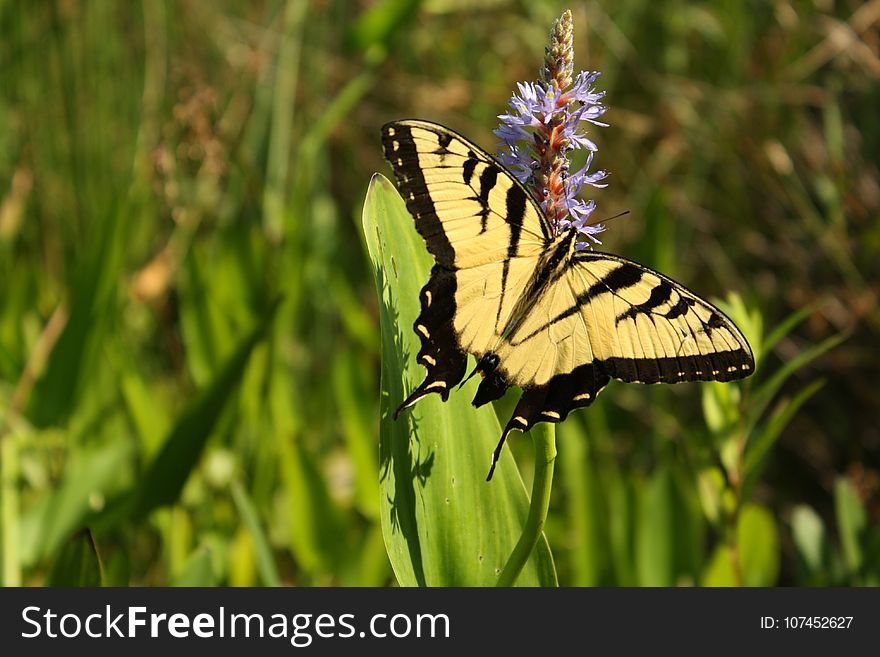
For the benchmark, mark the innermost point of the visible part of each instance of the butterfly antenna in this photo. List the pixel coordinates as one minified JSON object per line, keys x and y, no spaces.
{"x":605,"y":221}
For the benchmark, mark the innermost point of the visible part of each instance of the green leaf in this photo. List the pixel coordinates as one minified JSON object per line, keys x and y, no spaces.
{"x":73,"y":356}
{"x":750,"y":323}
{"x":808,"y":533}
{"x":759,"y":445}
{"x":655,"y":549}
{"x":87,"y":478}
{"x":148,"y":415}
{"x":166,"y":475}
{"x":265,"y":561}
{"x":757,"y":544}
{"x":351,"y":384}
{"x":787,"y":326}
{"x":444,"y":525}
{"x":198,"y":570}
{"x":713,"y":412}
{"x":583,"y":521}
{"x":720,"y":570}
{"x":711,"y":485}
{"x":78,"y":563}
{"x":851,"y":523}
{"x":621,"y":500}
{"x":763,"y":395}
{"x":316,"y":522}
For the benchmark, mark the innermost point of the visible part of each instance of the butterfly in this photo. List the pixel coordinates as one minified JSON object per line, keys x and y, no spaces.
{"x":535,"y":311}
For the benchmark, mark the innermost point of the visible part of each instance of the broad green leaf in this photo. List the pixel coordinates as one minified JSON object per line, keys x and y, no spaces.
{"x":720,"y":571}
{"x":78,"y":563}
{"x":444,"y":525}
{"x":757,"y":546}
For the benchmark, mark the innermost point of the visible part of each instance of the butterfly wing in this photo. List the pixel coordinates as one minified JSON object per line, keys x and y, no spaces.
{"x":467,"y":207}
{"x":608,"y":317}
{"x":486,"y":235}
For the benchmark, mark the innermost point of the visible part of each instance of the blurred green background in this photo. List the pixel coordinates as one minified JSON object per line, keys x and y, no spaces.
{"x":189,"y":348}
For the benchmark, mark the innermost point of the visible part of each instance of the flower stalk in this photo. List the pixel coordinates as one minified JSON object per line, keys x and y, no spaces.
{"x":544,"y":439}
{"x":545,"y":124}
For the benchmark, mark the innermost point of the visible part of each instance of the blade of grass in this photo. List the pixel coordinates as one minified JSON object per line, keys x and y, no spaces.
{"x":265,"y":561}
{"x":9,"y":473}
{"x":78,"y":563}
{"x":166,"y":475}
{"x":763,"y":395}
{"x":759,"y":446}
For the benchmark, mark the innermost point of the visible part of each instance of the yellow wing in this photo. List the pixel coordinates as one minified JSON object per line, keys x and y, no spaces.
{"x":634,"y":323}
{"x":485,"y":232}
{"x":466,"y":206}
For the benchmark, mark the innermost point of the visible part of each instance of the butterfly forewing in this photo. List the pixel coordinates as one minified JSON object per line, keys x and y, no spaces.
{"x":466,"y":206}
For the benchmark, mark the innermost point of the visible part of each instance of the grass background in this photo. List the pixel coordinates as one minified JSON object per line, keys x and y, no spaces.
{"x":189,"y":348}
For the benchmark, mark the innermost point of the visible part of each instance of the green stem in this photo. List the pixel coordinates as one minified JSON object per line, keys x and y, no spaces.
{"x":544,"y":438}
{"x":9,"y":473}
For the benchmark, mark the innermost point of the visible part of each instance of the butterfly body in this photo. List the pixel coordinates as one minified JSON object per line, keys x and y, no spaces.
{"x":534,"y":310}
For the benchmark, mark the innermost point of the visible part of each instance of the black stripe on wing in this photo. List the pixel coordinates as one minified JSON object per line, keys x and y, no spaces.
{"x":440,"y":354}
{"x":401,"y":152}
{"x":724,"y":365}
{"x":614,"y":281}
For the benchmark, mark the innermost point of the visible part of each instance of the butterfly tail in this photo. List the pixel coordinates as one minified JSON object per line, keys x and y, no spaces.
{"x":552,"y":402}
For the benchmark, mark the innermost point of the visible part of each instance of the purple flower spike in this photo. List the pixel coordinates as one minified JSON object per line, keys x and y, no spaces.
{"x":547,"y":120}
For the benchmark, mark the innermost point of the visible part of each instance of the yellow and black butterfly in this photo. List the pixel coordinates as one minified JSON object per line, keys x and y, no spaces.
{"x":535,"y":311}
